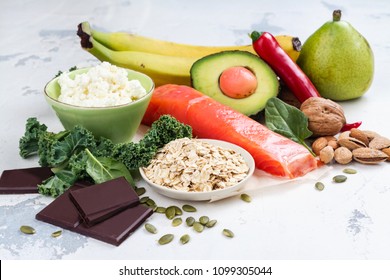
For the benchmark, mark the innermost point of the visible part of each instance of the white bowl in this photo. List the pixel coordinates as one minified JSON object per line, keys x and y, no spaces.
{"x":202,"y":196}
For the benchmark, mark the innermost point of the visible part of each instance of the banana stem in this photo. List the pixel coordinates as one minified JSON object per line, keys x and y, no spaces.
{"x":84,"y":32}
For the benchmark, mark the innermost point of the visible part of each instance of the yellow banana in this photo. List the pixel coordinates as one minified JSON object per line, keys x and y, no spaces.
{"x":122,"y":41}
{"x":162,"y":69}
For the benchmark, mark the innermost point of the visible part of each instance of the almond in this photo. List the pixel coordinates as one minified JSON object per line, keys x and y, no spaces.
{"x":379,"y":143}
{"x":351,"y":143}
{"x":319,"y":144}
{"x":359,"y":135}
{"x":369,"y":155}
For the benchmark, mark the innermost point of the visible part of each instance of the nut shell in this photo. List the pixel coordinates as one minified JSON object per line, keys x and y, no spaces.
{"x":326,"y":117}
{"x":369,"y":155}
{"x":343,"y":155}
{"x":326,"y":154}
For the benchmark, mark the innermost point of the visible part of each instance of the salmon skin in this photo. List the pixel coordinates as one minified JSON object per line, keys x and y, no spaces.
{"x":273,"y":153}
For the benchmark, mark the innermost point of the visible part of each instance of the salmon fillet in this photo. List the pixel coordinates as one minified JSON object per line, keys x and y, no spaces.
{"x":273,"y":153}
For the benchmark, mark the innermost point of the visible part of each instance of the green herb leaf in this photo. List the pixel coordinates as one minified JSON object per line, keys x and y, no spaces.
{"x":287,"y":120}
{"x":102,"y":169}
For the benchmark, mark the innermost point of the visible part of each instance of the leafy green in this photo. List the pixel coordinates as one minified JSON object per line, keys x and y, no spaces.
{"x":102,"y":169}
{"x":28,"y":143}
{"x":76,"y":154}
{"x":287,"y":120}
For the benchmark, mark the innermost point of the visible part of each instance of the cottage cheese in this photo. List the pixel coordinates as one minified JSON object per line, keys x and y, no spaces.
{"x":102,"y":86}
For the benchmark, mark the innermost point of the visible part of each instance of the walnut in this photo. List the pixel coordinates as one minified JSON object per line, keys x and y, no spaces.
{"x":326,"y":117}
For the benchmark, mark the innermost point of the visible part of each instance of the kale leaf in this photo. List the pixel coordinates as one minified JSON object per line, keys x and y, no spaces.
{"x":76,"y":154}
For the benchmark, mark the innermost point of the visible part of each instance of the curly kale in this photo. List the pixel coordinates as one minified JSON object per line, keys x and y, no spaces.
{"x":28,"y":144}
{"x":76,"y":154}
{"x":165,"y":130}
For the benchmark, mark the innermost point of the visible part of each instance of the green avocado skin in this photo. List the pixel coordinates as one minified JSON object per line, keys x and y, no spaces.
{"x":206,"y":71}
{"x":338,"y":60}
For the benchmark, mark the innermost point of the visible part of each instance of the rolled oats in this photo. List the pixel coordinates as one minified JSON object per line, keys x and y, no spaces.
{"x":194,"y":165}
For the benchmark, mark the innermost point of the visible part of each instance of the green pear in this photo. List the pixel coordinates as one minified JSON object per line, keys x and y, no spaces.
{"x":338,"y":60}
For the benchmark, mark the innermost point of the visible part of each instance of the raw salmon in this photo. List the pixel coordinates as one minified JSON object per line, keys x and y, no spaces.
{"x":273,"y":153}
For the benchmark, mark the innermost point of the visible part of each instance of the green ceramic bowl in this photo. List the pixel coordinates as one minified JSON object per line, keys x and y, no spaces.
{"x":118,"y":123}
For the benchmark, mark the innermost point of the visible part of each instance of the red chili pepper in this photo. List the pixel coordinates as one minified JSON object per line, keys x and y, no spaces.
{"x":296,"y":80}
{"x":349,"y":126}
{"x":268,"y":49}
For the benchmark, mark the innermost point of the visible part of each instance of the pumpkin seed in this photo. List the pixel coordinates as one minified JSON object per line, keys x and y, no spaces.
{"x":198,"y":227}
{"x":165,"y":239}
{"x":319,"y":186}
{"x":246,"y":197}
{"x":160,"y":209}
{"x":140,"y":191}
{"x":184,"y":239}
{"x":176,"y":222}
{"x":56,"y":233}
{"x":228,"y":233}
{"x":349,"y":171}
{"x":144,"y":199}
{"x":150,"y":202}
{"x":340,"y":178}
{"x":189,"y":208}
{"x":27,"y":229}
{"x":190,"y":221}
{"x":178,"y":211}
{"x":204,"y":220}
{"x":150,"y":228}
{"x":211,"y":223}
{"x":170,"y":212}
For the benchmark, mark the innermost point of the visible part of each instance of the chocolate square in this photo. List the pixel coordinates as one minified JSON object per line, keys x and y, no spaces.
{"x":63,"y":213}
{"x":24,"y":180}
{"x":103,"y":200}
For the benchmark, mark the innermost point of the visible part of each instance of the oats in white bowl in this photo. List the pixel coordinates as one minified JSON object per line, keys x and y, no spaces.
{"x":194,"y":165}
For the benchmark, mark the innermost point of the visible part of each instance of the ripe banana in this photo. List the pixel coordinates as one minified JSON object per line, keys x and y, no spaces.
{"x":122,"y":41}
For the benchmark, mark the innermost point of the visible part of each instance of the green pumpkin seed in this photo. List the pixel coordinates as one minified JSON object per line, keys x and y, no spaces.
{"x":204,"y":220}
{"x":246,"y":197}
{"x":189,"y":208}
{"x":140,"y":191}
{"x":228,"y":233}
{"x":56,"y":233}
{"x":160,"y":209}
{"x":170,"y":212}
{"x":150,"y":228}
{"x":349,"y":171}
{"x":165,"y":239}
{"x":150,"y":202}
{"x":211,"y":223}
{"x":319,"y":186}
{"x":176,"y":222}
{"x":198,"y":227}
{"x":144,"y":199}
{"x":190,"y":221}
{"x":178,"y":211}
{"x":184,"y":239}
{"x":27,"y":229}
{"x":340,"y":178}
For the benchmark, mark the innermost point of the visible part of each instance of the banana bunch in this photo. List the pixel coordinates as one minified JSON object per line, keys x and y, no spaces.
{"x":165,"y":62}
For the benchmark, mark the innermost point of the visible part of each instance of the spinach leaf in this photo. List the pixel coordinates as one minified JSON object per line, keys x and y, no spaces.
{"x":287,"y":120}
{"x":102,"y":169}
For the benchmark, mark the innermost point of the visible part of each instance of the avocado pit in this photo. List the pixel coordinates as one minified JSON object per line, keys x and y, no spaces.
{"x":237,"y":82}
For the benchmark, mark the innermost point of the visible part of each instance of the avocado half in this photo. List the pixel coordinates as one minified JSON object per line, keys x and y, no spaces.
{"x":206,"y":71}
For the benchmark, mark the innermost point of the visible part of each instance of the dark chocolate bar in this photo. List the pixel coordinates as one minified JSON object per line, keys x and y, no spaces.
{"x":103,"y":200}
{"x":24,"y":180}
{"x":63,"y":213}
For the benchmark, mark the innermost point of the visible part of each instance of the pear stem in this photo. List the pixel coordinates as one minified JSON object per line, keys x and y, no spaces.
{"x":336,"y":15}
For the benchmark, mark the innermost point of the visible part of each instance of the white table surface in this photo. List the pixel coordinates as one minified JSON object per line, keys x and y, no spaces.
{"x":295,"y":221}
